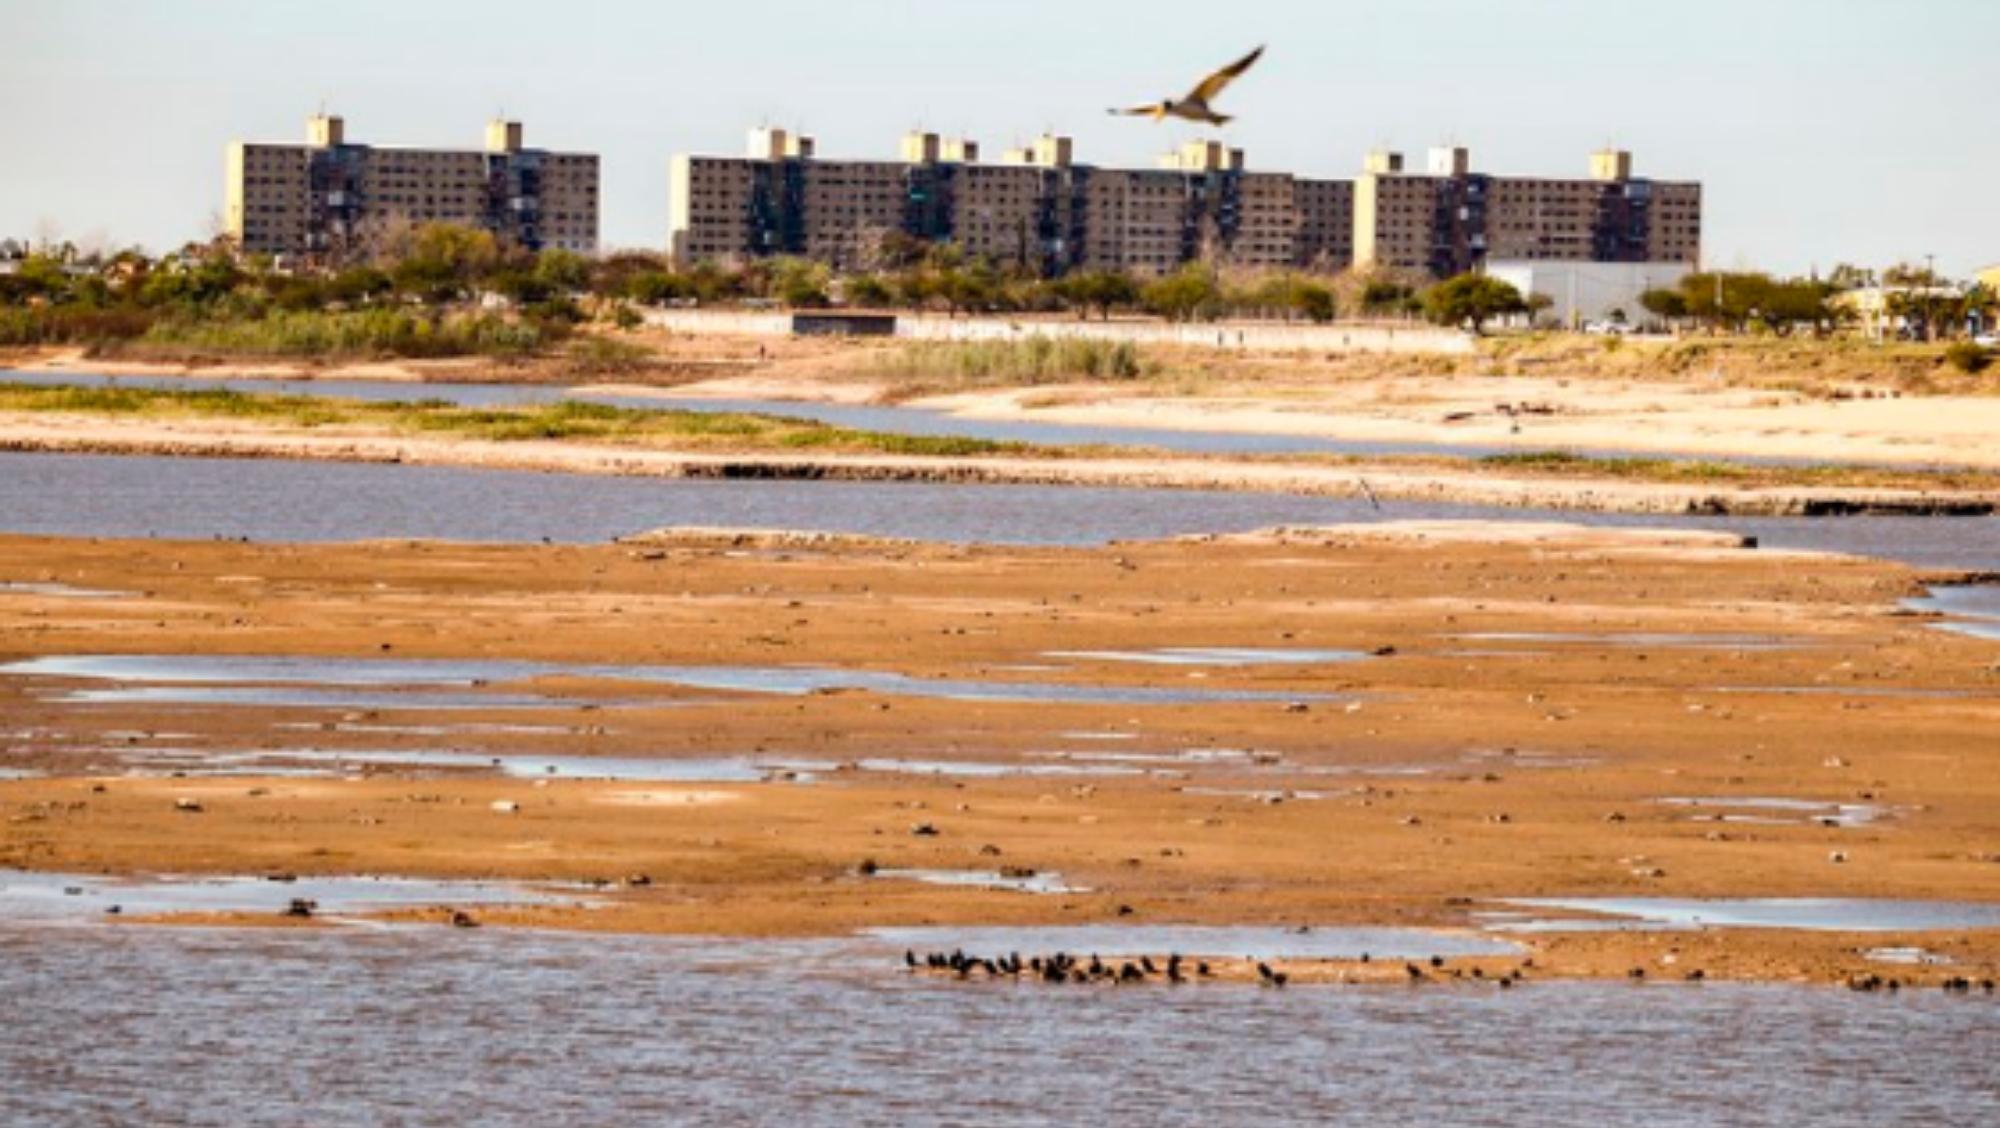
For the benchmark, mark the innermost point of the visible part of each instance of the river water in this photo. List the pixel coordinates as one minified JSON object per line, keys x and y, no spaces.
{"x":117,"y":1024}
{"x":280,"y":500}
{"x":349,"y":1025}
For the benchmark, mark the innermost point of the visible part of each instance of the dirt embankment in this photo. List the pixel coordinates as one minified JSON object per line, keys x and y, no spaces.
{"x":1527,"y":715}
{"x":88,"y":434}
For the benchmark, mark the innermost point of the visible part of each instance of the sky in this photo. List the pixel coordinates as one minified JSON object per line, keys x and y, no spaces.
{"x":1824,"y":130}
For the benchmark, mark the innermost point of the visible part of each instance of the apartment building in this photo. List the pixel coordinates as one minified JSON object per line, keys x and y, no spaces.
{"x":330,"y":198}
{"x":1037,"y":207}
{"x":1449,"y":219}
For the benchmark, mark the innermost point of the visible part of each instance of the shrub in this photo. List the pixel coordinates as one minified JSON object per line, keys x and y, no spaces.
{"x":1967,"y":357}
{"x":603,"y":356}
{"x":72,"y":325}
{"x":1036,"y":359}
{"x":363,"y":333}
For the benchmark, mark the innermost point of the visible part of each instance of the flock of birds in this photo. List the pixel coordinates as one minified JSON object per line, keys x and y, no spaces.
{"x":1952,"y":985}
{"x":1064,"y":968}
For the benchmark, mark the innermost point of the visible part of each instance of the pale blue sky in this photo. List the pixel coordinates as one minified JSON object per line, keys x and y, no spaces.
{"x":1824,"y":129}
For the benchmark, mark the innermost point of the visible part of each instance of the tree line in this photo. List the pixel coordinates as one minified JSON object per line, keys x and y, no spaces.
{"x":437,"y":272}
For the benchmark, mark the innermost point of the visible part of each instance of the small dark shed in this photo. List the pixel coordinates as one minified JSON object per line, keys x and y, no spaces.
{"x":842,"y":323}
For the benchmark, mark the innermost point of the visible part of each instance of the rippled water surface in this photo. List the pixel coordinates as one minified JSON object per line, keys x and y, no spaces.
{"x":440,"y":1026}
{"x":277,"y":500}
{"x":54,"y":897}
{"x":1812,"y":914}
{"x":1969,"y":609}
{"x":211,"y":679}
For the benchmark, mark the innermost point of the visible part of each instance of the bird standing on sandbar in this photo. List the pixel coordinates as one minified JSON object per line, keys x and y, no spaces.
{"x":1195,"y":106}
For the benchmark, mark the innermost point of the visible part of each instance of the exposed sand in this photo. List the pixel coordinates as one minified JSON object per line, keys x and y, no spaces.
{"x":1810,"y":418}
{"x":1540,"y":764}
{"x":98,"y":434}
{"x":1594,"y":415}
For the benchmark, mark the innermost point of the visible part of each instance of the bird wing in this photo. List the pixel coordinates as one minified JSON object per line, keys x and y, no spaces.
{"x":1215,"y":83}
{"x":1154,"y":110}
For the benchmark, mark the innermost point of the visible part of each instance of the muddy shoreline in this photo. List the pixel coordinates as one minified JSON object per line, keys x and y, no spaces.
{"x":1485,"y":486}
{"x":1835,"y":407}
{"x":1524,"y":712}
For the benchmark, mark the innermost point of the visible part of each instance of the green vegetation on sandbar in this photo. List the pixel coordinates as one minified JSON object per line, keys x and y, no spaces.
{"x":569,"y":419}
{"x":1557,"y":463}
{"x":1034,"y":360}
{"x":370,"y":332}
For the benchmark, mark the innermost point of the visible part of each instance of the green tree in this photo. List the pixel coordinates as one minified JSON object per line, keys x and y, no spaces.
{"x":1384,"y":295}
{"x":1472,"y":300}
{"x":1315,"y":302}
{"x":868,"y":291}
{"x":1538,"y":304}
{"x":1100,"y":290}
{"x":563,"y":270}
{"x":1185,"y":295}
{"x":442,"y":262}
{"x":1667,"y":305}
{"x":358,"y":285}
{"x":799,"y":283}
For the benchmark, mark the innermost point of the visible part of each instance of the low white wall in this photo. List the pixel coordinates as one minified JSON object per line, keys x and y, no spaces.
{"x":1262,"y":336}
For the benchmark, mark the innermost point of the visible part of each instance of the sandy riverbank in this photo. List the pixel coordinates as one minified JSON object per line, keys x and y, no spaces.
{"x":1503,"y":742}
{"x":1480,"y":485}
{"x":1838,"y":405}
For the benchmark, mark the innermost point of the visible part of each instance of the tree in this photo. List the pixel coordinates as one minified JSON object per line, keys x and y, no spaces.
{"x":1538,"y":304}
{"x":1099,"y":290}
{"x":441,"y":262}
{"x":868,"y":292}
{"x":1315,"y":302}
{"x":1472,"y":300}
{"x":966,"y":287}
{"x":1184,"y":295}
{"x":1384,"y":295}
{"x":799,"y":283}
{"x":656,"y":287}
{"x":1667,"y":305}
{"x":358,"y":285}
{"x":562,"y":270}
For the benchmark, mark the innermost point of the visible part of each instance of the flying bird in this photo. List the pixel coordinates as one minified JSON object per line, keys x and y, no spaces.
{"x":1195,"y":107}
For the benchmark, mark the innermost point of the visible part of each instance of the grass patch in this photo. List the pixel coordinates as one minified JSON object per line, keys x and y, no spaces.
{"x":604,"y":356}
{"x":1564,"y":464}
{"x":71,"y":325}
{"x":570,"y":420}
{"x":373,"y":332}
{"x":1034,"y":360}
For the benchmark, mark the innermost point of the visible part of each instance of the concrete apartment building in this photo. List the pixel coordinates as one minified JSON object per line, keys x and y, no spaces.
{"x":1039,"y":208}
{"x":1036,"y":207}
{"x":330,"y":197}
{"x":1449,"y":219}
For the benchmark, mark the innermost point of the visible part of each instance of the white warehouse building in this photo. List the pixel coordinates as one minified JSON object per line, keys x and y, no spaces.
{"x":1585,"y":292}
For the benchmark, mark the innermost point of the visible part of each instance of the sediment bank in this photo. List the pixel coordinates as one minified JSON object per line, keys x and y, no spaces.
{"x":44,"y":433}
{"x":1531,"y":717}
